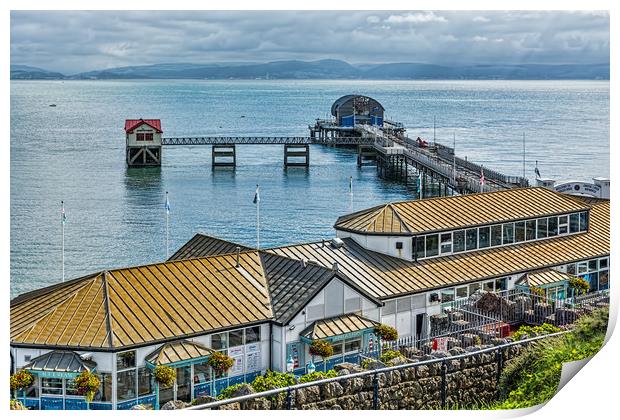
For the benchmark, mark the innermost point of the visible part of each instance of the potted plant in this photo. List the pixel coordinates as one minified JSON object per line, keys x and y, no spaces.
{"x":578,"y":285}
{"x":220,"y":362}
{"x":164,"y":376}
{"x":322,"y":349}
{"x":21,"y":380}
{"x":87,"y":384}
{"x":385,"y":333}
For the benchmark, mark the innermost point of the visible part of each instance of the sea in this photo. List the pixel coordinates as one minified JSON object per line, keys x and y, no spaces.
{"x":115,"y":216}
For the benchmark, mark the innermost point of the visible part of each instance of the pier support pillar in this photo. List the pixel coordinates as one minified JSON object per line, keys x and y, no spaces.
{"x":223,"y":155}
{"x":366,"y":155}
{"x":143,"y":156}
{"x":300,"y":154}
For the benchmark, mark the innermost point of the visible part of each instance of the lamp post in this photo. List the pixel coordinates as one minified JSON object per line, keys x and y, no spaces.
{"x":310,"y":367}
{"x":290,"y":364}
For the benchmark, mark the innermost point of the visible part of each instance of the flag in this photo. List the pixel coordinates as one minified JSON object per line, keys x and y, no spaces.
{"x":63,"y":216}
{"x":481,"y":176}
{"x":256,"y":196}
{"x":536,"y":171}
{"x":167,"y":204}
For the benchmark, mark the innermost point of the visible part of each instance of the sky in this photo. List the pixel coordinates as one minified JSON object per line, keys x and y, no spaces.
{"x":77,"y":41}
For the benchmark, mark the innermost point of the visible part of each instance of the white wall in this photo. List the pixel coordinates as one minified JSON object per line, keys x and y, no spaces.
{"x":383,"y":244}
{"x":144,"y":128}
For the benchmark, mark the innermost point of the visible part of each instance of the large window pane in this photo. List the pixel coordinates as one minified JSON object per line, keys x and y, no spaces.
{"x":574,"y":223}
{"x":552,"y":226}
{"x":70,"y":387}
{"x":51,"y":386}
{"x":603,"y":280}
{"x":489,"y":286}
{"x":519,"y":231}
{"x":432,"y":245}
{"x":446,"y":243}
{"x":338,"y":347}
{"x":252,"y":335}
{"x":496,"y":235}
{"x":484,"y":237}
{"x":461,"y":292}
{"x":126,"y":360}
{"x":458,"y":241}
{"x":33,"y":390}
{"x":104,"y":393}
{"x":202,"y":373}
{"x":145,"y":381}
{"x":471,"y":239}
{"x":419,"y":247}
{"x":447,"y":295}
{"x":219,"y":341}
{"x":562,"y":225}
{"x":530,"y":230}
{"x":235,"y":338}
{"x":352,"y":345}
{"x":126,"y":385}
{"x":542,"y":228}
{"x":583,"y":221}
{"x":473,"y":288}
{"x":509,"y":233}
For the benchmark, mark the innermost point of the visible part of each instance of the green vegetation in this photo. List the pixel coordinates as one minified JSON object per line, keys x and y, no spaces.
{"x":579,"y":285}
{"x":388,"y":355}
{"x":533,"y":377}
{"x":526,"y":331}
{"x":228,"y":392}
{"x":315,"y":376}
{"x":220,"y":362}
{"x":165,"y":375}
{"x":385,"y":332}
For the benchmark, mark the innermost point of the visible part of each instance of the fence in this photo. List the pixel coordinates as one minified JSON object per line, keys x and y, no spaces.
{"x":374,"y":375}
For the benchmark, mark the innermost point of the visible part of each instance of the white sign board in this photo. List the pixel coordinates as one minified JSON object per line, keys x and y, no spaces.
{"x":236,"y":353}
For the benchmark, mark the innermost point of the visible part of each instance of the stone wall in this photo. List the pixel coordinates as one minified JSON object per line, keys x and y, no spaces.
{"x":469,"y":380}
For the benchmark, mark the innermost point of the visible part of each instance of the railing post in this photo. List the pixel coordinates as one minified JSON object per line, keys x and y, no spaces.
{"x":444,"y":385}
{"x":375,"y":392}
{"x":500,"y":363}
{"x":289,"y":399}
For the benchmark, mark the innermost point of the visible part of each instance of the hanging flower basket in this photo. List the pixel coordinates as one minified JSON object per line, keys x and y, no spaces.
{"x":165,"y":375}
{"x":579,"y":285}
{"x":87,"y":384}
{"x":386,"y":333}
{"x":21,"y":380}
{"x":321,"y":348}
{"x":220,"y":362}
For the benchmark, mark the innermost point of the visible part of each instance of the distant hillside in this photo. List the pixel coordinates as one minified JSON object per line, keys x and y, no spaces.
{"x":329,"y":69}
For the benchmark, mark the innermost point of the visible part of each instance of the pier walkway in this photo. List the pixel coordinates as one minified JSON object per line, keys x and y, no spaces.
{"x":198,"y":141}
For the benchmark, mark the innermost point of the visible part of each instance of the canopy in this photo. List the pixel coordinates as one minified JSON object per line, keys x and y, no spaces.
{"x":338,"y":328}
{"x":60,"y":364}
{"x":178,"y":353}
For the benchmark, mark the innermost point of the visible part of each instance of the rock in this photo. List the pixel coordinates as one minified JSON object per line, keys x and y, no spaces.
{"x":203,"y":399}
{"x":343,"y":372}
{"x":244,"y":389}
{"x":351,"y":367}
{"x":138,"y":407}
{"x":454,"y":351}
{"x":374,"y":364}
{"x":173,"y":405}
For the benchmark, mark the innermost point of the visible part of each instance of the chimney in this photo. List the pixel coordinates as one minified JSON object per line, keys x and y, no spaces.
{"x":335,"y":266}
{"x":303,"y":262}
{"x":238,"y":251}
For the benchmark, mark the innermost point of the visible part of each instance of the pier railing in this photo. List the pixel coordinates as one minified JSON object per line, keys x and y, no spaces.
{"x":198,"y":141}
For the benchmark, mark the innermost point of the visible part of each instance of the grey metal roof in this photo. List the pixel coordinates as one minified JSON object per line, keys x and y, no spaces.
{"x":202,"y":245}
{"x":61,"y":361}
{"x":342,"y":100}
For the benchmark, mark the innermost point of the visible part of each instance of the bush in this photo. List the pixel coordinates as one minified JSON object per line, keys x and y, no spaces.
{"x":385,"y":332}
{"x":273,"y":380}
{"x":321,"y":348}
{"x":87,"y":384}
{"x":220,"y":362}
{"x":526,"y":331}
{"x":17,"y":405}
{"x":228,"y":392}
{"x":579,"y":285}
{"x":165,"y":375}
{"x":388,"y":355}
{"x":21,"y":380}
{"x":315,"y":376}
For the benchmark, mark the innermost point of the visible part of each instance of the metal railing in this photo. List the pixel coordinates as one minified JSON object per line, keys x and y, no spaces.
{"x":199,"y":141}
{"x":290,"y":390}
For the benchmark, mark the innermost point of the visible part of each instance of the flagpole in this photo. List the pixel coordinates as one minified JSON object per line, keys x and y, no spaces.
{"x":524,"y":155}
{"x":167,"y":226}
{"x":454,"y":157}
{"x":257,"y":217}
{"x":62,"y":222}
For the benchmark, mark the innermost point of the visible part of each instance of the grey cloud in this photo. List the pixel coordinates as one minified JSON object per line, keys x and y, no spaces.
{"x":75,"y":41}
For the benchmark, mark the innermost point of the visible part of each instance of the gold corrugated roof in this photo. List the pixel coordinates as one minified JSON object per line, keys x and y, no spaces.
{"x":178,"y":351}
{"x":335,"y":326}
{"x":383,"y":276}
{"x":144,"y":304}
{"x":544,"y":277}
{"x":444,"y":213}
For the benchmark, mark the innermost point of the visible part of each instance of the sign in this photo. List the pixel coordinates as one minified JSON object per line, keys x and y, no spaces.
{"x":440,"y":344}
{"x":236,"y":353}
{"x":582,"y":188}
{"x":252,"y":357}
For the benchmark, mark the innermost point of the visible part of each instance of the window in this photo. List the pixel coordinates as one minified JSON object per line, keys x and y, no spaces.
{"x":582,"y":268}
{"x":145,"y":381}
{"x":252,"y":335}
{"x":484,"y":237}
{"x":235,"y":338}
{"x":571,"y":268}
{"x":447,"y":295}
{"x":33,"y":390}
{"x":563,"y":225}
{"x":202,"y":373}
{"x":104,"y":393}
{"x":500,"y":284}
{"x":446,"y":243}
{"x":352,"y":345}
{"x":126,"y":385}
{"x":471,"y":239}
{"x":338,"y":347}
{"x":496,"y":235}
{"x":461,"y":292}
{"x":574,"y":223}
{"x":542,"y":228}
{"x":519,"y":231}
{"x":509,"y":233}
{"x":552,"y":226}
{"x":433,"y":297}
{"x":458,"y":241}
{"x":432,"y":245}
{"x":70,"y":387}
{"x":593,"y":280}
{"x":51,"y":386}
{"x":583,"y":221}
{"x":592,"y":265}
{"x":144,"y":136}
{"x":418,"y":245}
{"x":489,"y":285}
{"x":126,"y":360}
{"x":219,"y":341}
{"x":473,"y":288}
{"x":139,"y":136}
{"x":603,"y":280}
{"x":603,"y":263}
{"x":530,"y":230}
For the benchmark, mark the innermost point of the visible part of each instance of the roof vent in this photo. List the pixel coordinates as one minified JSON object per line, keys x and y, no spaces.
{"x":337,"y":243}
{"x":304,"y":262}
{"x":335,"y":266}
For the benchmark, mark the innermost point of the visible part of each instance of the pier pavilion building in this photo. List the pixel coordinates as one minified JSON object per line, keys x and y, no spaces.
{"x":396,"y":264}
{"x":350,"y":110}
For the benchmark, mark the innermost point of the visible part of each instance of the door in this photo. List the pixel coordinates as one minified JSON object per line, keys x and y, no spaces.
{"x":420,"y":326}
{"x":184,"y":387}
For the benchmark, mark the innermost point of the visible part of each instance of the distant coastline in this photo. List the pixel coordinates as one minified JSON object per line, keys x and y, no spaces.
{"x":327,"y":70}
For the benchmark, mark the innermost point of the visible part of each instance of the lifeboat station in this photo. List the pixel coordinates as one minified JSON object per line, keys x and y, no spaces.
{"x":401,"y":264}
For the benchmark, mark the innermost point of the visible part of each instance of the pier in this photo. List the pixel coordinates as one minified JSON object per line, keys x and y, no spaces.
{"x":358,"y":121}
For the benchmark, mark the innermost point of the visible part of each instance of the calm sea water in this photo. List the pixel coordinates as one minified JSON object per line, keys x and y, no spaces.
{"x":75,"y":152}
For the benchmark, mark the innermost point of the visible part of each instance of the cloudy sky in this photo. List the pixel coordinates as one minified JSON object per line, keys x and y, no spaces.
{"x":72,"y":42}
